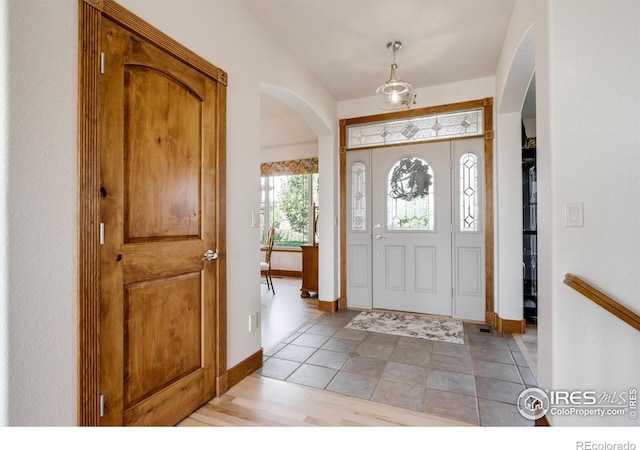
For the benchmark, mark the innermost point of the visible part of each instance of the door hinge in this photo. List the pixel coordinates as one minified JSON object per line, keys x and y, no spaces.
{"x":101,"y":405}
{"x":101,"y":233}
{"x":101,"y":62}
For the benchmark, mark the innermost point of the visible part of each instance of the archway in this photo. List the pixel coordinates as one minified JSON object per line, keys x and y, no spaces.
{"x":321,"y":136}
{"x":509,"y":238}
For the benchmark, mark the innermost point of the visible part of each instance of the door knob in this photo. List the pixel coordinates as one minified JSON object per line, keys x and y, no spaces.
{"x":210,"y":255}
{"x":378,"y":237}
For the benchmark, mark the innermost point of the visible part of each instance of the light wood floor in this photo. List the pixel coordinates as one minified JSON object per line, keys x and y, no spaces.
{"x":261,"y":401}
{"x":285,"y":311}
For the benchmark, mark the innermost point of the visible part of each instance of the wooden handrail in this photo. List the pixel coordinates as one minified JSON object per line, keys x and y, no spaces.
{"x":598,"y":297}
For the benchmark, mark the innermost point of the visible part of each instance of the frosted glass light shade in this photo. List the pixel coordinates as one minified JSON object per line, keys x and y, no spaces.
{"x":395,"y":93}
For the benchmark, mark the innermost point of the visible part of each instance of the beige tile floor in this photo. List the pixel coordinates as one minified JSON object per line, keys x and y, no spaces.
{"x":477,"y":382}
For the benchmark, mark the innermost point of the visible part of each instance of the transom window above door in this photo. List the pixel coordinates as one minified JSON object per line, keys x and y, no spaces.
{"x":424,"y":128}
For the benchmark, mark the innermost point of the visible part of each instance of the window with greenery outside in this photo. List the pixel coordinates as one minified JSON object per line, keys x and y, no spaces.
{"x":287,"y":205}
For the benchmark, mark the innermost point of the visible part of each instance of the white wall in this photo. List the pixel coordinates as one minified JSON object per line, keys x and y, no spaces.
{"x":508,"y":220}
{"x":430,"y":96}
{"x":39,"y":297}
{"x":594,"y":142}
{"x":41,"y":191}
{"x":298,"y":150}
{"x":513,"y":75}
{"x":587,"y":147}
{"x":286,"y":261}
{"x":288,"y":137}
{"x":4,"y":188}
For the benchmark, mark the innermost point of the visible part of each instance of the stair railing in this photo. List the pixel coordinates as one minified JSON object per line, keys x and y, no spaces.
{"x":600,"y":298}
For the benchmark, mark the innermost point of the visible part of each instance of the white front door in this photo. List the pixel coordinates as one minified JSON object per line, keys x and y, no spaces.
{"x":411,"y":244}
{"x":415,"y":234}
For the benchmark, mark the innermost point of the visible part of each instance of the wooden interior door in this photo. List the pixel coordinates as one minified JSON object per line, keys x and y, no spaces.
{"x":158,"y":142}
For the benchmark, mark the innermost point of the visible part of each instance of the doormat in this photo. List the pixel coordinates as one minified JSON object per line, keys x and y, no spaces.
{"x":437,"y":329}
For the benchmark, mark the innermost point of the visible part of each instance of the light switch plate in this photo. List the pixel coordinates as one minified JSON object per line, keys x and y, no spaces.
{"x":573,"y":214}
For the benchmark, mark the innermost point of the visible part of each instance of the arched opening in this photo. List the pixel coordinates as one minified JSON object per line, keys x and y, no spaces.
{"x":516,"y":232}
{"x":296,"y":153}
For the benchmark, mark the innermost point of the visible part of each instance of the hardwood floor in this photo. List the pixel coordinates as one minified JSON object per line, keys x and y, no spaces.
{"x":285,"y":311}
{"x":261,"y":401}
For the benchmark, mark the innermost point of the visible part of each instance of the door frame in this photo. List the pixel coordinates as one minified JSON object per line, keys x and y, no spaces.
{"x":486,"y":104}
{"x":90,"y":14}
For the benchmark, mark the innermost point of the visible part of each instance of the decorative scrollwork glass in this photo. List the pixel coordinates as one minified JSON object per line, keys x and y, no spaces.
{"x":418,"y":129}
{"x":410,"y":201}
{"x":469,"y":194}
{"x":358,"y":197}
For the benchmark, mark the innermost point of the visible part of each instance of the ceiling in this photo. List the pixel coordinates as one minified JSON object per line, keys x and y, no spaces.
{"x":344,"y":42}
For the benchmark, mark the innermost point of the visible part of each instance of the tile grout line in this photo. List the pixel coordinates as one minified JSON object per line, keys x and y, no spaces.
{"x":318,"y":320}
{"x":525,"y":353}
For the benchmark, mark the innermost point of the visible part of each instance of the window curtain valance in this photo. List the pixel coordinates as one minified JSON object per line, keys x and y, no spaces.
{"x":293,"y":167}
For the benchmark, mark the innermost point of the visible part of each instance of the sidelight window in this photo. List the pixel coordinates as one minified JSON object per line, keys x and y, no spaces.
{"x":469,"y":194}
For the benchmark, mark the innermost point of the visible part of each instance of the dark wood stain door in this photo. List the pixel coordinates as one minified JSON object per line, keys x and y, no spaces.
{"x":157,"y":121}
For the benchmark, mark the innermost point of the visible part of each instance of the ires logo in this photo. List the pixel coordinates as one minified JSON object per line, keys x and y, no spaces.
{"x":534,"y":403}
{"x":586,"y":398}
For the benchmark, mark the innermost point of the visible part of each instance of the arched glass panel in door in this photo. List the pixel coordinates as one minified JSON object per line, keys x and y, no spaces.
{"x":411,"y":196}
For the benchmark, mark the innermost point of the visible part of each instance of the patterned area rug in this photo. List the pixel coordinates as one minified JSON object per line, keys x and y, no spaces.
{"x":447,"y":330}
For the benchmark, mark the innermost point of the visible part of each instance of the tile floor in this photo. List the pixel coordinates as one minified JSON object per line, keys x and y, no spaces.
{"x":477,"y":382}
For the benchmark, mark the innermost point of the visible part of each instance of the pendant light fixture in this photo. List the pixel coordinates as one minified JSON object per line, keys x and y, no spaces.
{"x":395,"y":93}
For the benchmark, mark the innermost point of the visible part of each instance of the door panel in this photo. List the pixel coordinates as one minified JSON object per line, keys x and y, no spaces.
{"x":359,"y":228}
{"x":162,"y":334}
{"x":425,"y":274}
{"x":359,"y":263}
{"x":162,"y":203}
{"x":469,"y":236}
{"x":412,"y":247}
{"x":395,"y":273}
{"x":157,"y":295}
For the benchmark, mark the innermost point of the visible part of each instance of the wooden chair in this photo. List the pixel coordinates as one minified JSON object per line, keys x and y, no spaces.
{"x":265,"y":266}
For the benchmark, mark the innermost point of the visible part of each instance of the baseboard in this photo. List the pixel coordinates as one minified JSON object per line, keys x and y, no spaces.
{"x":511,"y":326}
{"x":243,"y":369}
{"x":328,"y":306}
{"x":286,"y":273}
